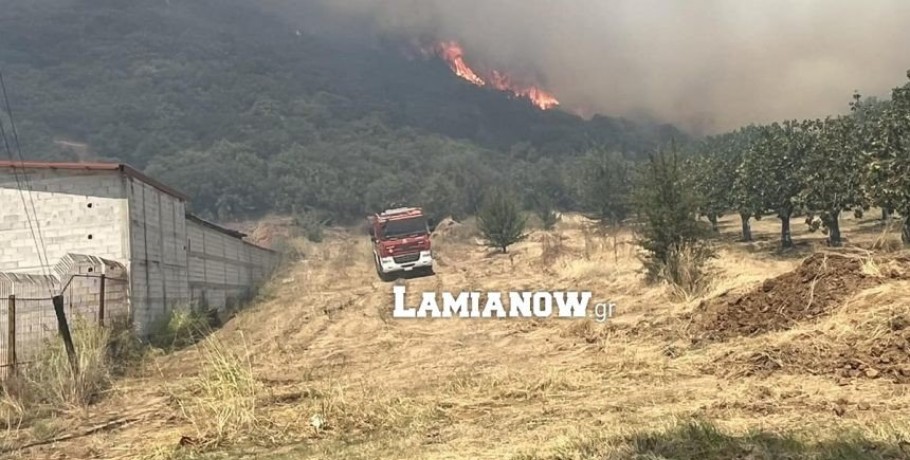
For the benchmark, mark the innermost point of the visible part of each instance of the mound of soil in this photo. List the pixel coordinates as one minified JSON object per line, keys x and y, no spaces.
{"x":814,"y":289}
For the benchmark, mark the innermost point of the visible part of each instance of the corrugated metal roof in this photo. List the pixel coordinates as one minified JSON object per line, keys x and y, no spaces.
{"x":214,"y":226}
{"x":122,"y":167}
{"x":227,"y":231}
{"x":129,"y":171}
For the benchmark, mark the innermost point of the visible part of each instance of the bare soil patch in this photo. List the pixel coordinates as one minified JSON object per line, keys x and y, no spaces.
{"x":818,"y":286}
{"x":884,"y":356}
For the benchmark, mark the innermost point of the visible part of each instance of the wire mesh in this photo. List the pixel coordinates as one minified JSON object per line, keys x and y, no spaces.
{"x":85,"y":304}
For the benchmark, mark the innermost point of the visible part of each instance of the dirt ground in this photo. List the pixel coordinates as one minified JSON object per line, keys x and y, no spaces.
{"x":812,"y":341}
{"x":815,"y":288}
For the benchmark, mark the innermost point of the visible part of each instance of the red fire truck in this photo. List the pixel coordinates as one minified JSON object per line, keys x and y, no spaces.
{"x":401,"y":242}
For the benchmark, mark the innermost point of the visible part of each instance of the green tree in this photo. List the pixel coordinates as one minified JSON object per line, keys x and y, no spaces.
{"x":746,"y":194}
{"x":543,"y":207}
{"x":500,"y":221}
{"x":710,"y":177}
{"x":835,"y":172}
{"x":228,"y":177}
{"x":890,"y":169}
{"x":775,"y":164}
{"x":606,"y":184}
{"x":669,"y":229}
{"x":440,"y":199}
{"x":716,"y":177}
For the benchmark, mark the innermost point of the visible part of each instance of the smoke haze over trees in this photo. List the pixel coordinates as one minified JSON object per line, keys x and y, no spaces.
{"x":707,"y":66}
{"x":249,"y":110}
{"x":309,"y":108}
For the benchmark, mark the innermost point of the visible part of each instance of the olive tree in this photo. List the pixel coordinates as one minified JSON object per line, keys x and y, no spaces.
{"x":775,"y":164}
{"x":834,"y":173}
{"x":746,"y":194}
{"x":716,"y":179}
{"x":890,"y":168}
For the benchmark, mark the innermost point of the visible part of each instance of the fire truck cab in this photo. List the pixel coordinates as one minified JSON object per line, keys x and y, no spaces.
{"x":401,"y":242}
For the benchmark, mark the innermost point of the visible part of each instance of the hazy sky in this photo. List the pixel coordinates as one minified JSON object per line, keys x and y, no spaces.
{"x":706,"y":65}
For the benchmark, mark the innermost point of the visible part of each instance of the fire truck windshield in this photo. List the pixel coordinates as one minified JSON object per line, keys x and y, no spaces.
{"x":403,"y":228}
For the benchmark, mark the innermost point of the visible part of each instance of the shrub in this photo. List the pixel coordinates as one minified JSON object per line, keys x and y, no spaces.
{"x":500,"y":221}
{"x":125,"y":349}
{"x":606,"y":180}
{"x":548,"y":218}
{"x":670,"y":233}
{"x":312,"y":225}
{"x":287,"y":250}
{"x":181,"y":327}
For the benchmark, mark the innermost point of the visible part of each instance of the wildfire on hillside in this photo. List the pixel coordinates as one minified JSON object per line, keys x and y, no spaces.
{"x":453,"y":54}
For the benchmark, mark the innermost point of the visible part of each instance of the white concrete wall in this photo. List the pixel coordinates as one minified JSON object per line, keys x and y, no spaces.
{"x":224,"y":269}
{"x":172,"y":262}
{"x":158,"y":272}
{"x":78,"y":212}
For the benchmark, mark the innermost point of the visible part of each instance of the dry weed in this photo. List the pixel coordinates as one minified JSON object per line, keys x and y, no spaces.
{"x":49,"y":382}
{"x":221,"y":402}
{"x":551,"y":248}
{"x":886,"y":241}
{"x":685,"y":272}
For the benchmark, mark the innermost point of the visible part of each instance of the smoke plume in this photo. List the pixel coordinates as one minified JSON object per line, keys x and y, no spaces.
{"x":707,"y":66}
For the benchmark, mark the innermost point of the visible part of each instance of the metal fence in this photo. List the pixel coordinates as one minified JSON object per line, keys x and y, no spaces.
{"x":29,"y":324}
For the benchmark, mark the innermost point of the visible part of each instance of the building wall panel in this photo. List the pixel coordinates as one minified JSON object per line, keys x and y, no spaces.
{"x":80,"y":212}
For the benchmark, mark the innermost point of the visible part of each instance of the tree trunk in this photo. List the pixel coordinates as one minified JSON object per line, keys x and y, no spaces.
{"x":747,"y":227}
{"x":905,"y":233}
{"x":833,"y":225}
{"x":786,"y":240}
{"x":713,"y":219}
{"x":886,"y":215}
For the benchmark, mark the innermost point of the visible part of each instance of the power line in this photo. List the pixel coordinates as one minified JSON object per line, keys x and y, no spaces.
{"x":37,"y":237}
{"x":25,"y":206}
{"x":28,"y":183}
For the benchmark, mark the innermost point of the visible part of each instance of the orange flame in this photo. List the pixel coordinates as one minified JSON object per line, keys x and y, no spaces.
{"x":453,"y":54}
{"x":539,"y":97}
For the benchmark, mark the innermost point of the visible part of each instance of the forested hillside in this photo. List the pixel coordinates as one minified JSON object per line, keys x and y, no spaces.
{"x":249,"y":112}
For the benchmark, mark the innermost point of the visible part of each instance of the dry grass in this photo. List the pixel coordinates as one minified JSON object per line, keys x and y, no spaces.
{"x":48,"y":383}
{"x":320,"y":367}
{"x":221,"y":402}
{"x":685,"y":273}
{"x":887,"y":240}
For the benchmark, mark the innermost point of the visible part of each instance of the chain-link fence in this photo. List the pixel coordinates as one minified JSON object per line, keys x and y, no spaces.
{"x":27,"y":324}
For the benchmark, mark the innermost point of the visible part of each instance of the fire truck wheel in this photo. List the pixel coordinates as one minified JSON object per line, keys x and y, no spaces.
{"x":384,"y":276}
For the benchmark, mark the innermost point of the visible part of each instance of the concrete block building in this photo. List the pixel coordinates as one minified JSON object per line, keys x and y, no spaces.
{"x":114,"y":213}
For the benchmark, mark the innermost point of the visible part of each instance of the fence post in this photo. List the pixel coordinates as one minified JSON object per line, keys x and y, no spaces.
{"x":64,"y":329}
{"x":11,"y":334}
{"x":101,"y":303}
